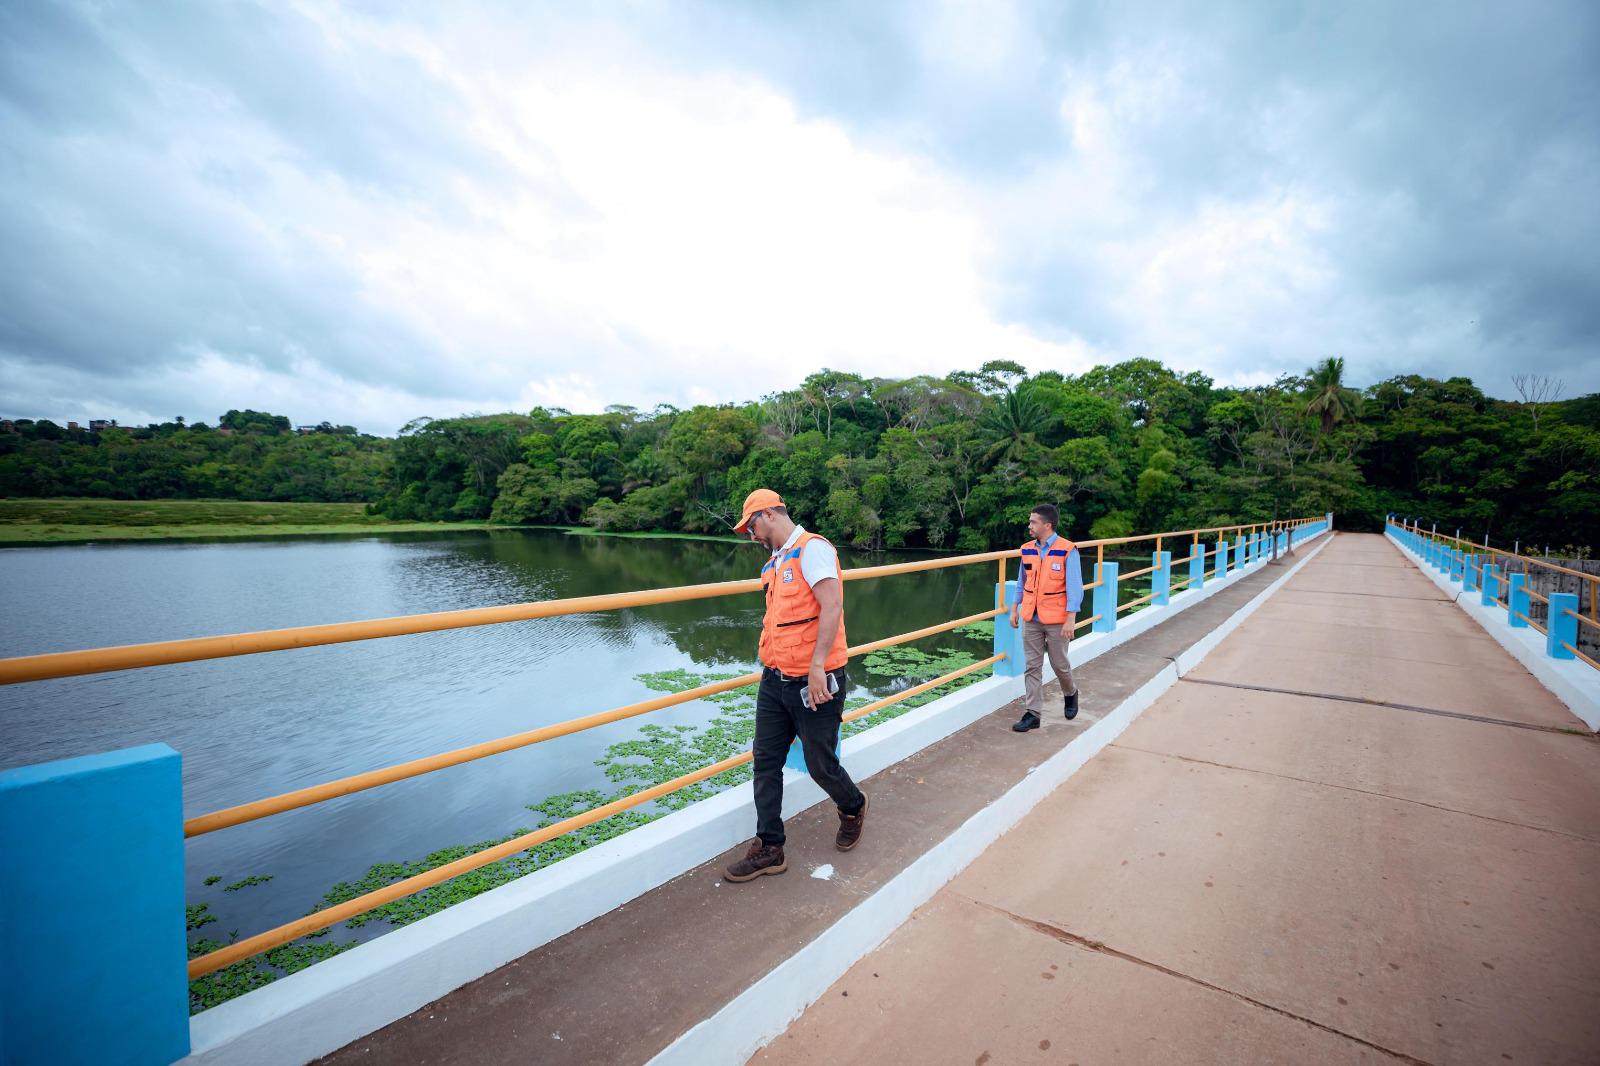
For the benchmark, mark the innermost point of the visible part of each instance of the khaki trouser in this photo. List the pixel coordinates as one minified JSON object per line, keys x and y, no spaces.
{"x":1036,"y":638}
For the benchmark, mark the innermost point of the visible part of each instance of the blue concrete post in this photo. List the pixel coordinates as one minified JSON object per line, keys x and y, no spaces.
{"x":1561,"y":626}
{"x":1469,"y":572}
{"x":1517,"y":601}
{"x":1105,"y":599}
{"x":93,"y":952}
{"x":1161,"y":579}
{"x":1238,"y":553}
{"x":1007,"y":641}
{"x":1491,"y":585}
{"x":1197,"y":566}
{"x":796,"y":759}
{"x":1455,"y":565}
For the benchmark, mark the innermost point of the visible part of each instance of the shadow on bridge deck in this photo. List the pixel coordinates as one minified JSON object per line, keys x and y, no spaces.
{"x":623,"y":987}
{"x":1358,"y":832}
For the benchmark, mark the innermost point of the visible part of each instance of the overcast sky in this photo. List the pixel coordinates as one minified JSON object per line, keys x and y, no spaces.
{"x":369,"y":212}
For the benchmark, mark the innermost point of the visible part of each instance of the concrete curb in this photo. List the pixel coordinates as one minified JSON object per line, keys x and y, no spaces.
{"x":765,"y":1009}
{"x":326,"y":1006}
{"x":1573,"y":682}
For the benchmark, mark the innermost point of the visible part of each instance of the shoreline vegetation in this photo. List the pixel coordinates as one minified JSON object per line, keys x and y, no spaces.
{"x":36,"y":523}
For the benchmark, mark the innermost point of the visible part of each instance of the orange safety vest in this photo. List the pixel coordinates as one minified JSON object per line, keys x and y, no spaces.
{"x":789,"y":630}
{"x":1044,"y":581}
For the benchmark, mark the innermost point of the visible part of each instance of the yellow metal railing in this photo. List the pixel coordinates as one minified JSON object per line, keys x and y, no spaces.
{"x":137,"y":656}
{"x":1587,"y":581}
{"x":249,"y":812}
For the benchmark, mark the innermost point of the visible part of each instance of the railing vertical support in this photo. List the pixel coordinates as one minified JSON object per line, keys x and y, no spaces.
{"x":1491,"y":585}
{"x":1469,"y":572}
{"x":1105,"y":599}
{"x":1161,"y":579}
{"x":1222,"y":558}
{"x":1560,"y":626}
{"x":1197,"y":566}
{"x":1517,"y":601}
{"x":1007,"y":641}
{"x":1238,"y":553}
{"x":93,"y":956}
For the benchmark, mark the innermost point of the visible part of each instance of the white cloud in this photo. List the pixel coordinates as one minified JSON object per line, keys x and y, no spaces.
{"x":367,"y":218}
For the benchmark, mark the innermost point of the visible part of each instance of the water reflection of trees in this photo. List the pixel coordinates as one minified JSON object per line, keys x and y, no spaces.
{"x":722,"y":630}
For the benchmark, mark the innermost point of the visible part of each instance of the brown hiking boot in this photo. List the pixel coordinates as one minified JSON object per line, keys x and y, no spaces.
{"x":760,"y":859}
{"x":850,"y":827}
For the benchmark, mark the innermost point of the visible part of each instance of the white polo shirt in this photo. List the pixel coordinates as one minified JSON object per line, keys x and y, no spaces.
{"x":818,"y":561}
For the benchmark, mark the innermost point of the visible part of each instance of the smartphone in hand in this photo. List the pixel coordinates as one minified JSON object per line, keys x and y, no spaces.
{"x":833,"y":690}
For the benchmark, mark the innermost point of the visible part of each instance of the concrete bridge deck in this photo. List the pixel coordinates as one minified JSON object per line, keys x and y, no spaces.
{"x":1358,"y":832}
{"x":623,"y":987}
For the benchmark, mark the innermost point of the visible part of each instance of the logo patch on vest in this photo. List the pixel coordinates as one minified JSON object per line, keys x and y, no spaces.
{"x":788,"y":575}
{"x":1055,"y":566}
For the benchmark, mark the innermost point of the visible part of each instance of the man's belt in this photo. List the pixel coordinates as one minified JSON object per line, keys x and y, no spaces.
{"x":791,"y":679}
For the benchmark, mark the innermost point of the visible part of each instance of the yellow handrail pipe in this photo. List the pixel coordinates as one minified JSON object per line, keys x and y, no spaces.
{"x":283,"y":934}
{"x":345,"y":786}
{"x":165,"y":653}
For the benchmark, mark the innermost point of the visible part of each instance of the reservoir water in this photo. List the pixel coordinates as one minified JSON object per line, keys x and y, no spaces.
{"x":254,"y":726}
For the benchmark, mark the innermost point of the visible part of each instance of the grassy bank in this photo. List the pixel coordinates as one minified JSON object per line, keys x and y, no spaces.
{"x":587,"y":531}
{"x":29,"y":521}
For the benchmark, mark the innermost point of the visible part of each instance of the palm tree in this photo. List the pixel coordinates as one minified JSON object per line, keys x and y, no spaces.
{"x":1329,"y":397}
{"x":1012,"y":426}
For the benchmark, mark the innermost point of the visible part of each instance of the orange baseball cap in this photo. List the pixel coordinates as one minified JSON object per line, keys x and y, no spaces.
{"x":759,"y":500}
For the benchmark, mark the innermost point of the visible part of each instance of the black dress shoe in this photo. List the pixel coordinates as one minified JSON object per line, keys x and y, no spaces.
{"x":1028,"y":721}
{"x":1072,"y":705}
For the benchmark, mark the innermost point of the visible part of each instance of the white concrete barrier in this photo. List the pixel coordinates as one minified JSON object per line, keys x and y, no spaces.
{"x":1572,"y":681}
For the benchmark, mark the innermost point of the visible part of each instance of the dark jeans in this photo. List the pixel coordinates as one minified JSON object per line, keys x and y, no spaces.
{"x":780,"y":717}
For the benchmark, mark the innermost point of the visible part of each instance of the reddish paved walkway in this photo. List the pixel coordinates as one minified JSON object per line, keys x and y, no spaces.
{"x":1260,"y":876}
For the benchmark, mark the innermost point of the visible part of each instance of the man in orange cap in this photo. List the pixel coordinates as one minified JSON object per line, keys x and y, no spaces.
{"x":803,"y":654}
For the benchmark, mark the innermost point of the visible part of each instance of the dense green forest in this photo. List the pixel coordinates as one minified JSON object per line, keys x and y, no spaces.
{"x":248,"y":455}
{"x":951,"y":462}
